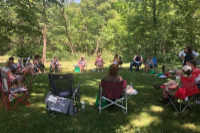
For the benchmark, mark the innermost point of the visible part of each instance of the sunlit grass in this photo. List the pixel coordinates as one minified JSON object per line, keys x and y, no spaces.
{"x":145,"y":114}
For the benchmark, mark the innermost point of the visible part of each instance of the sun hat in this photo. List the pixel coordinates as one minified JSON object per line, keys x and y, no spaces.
{"x":186,"y":68}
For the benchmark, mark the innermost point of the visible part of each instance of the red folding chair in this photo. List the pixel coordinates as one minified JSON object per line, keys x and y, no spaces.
{"x":187,"y":90}
{"x":8,"y":92}
{"x":114,"y":93}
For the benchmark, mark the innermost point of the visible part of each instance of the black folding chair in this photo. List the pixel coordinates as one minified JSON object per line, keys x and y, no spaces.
{"x":63,"y":85}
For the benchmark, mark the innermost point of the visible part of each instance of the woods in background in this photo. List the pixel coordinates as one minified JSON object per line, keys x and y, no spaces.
{"x":58,"y":27}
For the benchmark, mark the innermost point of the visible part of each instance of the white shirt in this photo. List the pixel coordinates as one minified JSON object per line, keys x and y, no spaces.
{"x":183,"y":54}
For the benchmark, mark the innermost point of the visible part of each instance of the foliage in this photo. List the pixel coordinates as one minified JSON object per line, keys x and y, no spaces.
{"x":119,"y":26}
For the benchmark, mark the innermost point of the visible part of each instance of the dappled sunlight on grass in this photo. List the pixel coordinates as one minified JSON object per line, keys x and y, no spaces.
{"x":191,"y":126}
{"x":156,"y":108}
{"x":144,"y":115}
{"x":144,"y":119}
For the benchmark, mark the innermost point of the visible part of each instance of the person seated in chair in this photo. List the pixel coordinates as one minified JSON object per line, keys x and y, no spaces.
{"x":20,"y":68}
{"x":116,"y":59}
{"x":55,"y":64}
{"x":30,"y":66}
{"x":99,"y":62}
{"x":81,"y":63}
{"x":149,"y":64}
{"x":113,"y":74}
{"x":13,"y":66}
{"x":186,"y":72}
{"x":137,"y":61}
{"x":12,"y":77}
{"x":38,"y":63}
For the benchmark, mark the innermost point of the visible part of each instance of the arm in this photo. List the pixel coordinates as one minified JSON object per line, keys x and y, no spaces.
{"x":181,"y":55}
{"x":195,"y":54}
{"x":134,"y":58}
{"x":95,"y":61}
{"x":141,"y":59}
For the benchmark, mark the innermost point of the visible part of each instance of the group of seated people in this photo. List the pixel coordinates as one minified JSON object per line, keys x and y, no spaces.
{"x":173,"y":87}
{"x":18,"y":71}
{"x":98,"y":62}
{"x":138,"y":60}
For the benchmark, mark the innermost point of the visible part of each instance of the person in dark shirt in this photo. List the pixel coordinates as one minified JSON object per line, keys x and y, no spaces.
{"x":137,"y":61}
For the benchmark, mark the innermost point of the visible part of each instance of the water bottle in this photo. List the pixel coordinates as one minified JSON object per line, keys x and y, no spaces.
{"x":163,"y":68}
{"x":83,"y":105}
{"x":131,"y":84}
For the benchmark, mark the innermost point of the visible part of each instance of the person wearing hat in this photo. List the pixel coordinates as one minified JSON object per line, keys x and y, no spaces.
{"x":30,"y":66}
{"x":174,"y":85}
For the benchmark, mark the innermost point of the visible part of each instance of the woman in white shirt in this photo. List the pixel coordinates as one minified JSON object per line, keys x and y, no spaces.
{"x":188,"y":54}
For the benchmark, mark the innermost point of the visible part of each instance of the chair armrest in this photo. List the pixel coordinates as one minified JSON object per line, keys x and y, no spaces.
{"x":76,"y":91}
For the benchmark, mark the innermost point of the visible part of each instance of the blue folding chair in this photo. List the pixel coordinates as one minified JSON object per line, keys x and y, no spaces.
{"x":155,"y":62}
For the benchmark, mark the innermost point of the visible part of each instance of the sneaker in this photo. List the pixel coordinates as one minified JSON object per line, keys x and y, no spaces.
{"x":98,"y":70}
{"x":102,"y":70}
{"x":54,"y":72}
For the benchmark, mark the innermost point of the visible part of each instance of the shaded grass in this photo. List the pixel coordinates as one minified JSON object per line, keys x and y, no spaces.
{"x":145,"y":114}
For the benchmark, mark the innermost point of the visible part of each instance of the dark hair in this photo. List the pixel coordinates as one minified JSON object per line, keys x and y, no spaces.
{"x":7,"y":64}
{"x":116,"y":55}
{"x":188,"y":72}
{"x":193,"y":62}
{"x":11,"y":58}
{"x":113,"y":70}
{"x":189,"y":47}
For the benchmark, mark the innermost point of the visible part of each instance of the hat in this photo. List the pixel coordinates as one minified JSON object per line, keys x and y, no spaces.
{"x":186,"y":68}
{"x":28,"y":58}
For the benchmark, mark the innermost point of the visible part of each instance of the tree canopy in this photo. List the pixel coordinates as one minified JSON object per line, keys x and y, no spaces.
{"x":57,"y":27}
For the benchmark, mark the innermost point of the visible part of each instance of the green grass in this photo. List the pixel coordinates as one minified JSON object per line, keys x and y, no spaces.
{"x":145,"y":114}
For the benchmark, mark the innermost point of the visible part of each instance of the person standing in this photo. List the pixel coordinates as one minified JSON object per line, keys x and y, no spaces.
{"x":188,"y":54}
{"x":137,"y":61}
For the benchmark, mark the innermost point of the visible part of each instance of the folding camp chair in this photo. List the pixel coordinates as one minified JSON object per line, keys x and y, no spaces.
{"x":113,"y":94}
{"x":188,"y":85}
{"x":155,"y":63}
{"x":63,"y":86}
{"x":8,"y":92}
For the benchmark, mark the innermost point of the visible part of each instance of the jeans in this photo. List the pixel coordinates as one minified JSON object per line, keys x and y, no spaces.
{"x":134,"y":64}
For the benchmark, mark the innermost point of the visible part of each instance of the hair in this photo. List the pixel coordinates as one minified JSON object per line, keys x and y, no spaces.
{"x":11,"y":58}
{"x":113,"y":70}
{"x":54,"y":57}
{"x":189,"y":47}
{"x":193,"y":62}
{"x":188,"y":72}
{"x":98,"y":54}
{"x":7,"y":64}
{"x":36,"y":56}
{"x":116,"y":55}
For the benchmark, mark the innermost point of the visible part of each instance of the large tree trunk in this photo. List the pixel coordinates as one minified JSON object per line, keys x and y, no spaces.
{"x":62,"y":10}
{"x":44,"y":34}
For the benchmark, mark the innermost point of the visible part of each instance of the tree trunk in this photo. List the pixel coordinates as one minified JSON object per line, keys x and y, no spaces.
{"x":44,"y":34}
{"x":62,"y":10}
{"x":97,"y":48}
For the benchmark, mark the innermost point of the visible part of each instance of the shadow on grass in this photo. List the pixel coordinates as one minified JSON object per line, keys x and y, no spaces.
{"x":145,"y":114}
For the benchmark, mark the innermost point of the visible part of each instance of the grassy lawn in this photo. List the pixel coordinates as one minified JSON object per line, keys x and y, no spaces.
{"x":145,"y":114}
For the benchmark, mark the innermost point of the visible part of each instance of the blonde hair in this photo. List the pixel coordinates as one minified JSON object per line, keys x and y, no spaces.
{"x":98,"y":54}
